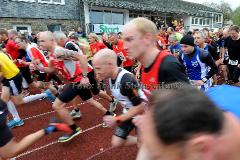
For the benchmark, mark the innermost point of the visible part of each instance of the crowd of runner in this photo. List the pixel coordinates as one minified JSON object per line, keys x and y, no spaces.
{"x":144,"y":69}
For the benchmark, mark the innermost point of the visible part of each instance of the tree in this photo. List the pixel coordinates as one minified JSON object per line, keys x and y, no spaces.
{"x":236,"y":16}
{"x":224,"y":7}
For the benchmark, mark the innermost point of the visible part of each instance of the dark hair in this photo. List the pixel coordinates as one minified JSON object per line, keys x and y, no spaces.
{"x":234,"y":28}
{"x":180,"y":113}
{"x":3,"y":31}
{"x":22,"y":38}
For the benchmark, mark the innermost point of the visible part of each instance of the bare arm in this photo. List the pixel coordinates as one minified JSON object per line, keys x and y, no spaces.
{"x":13,"y":148}
{"x":136,"y":110}
{"x":49,"y":69}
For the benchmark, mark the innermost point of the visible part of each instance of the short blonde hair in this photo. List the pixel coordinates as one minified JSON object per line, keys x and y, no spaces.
{"x":93,"y":35}
{"x":144,"y":25}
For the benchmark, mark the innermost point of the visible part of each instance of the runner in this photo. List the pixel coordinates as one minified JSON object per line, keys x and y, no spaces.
{"x":12,"y":88}
{"x":184,"y":124}
{"x":71,"y":45}
{"x":199,"y":64}
{"x":232,"y":44}
{"x":78,"y":74}
{"x":125,"y":88}
{"x":118,"y":48}
{"x":9,"y":147}
{"x":139,"y":37}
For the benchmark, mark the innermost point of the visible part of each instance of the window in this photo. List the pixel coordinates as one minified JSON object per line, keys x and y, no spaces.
{"x":196,"y":20}
{"x":62,"y":2}
{"x":201,"y":21}
{"x":22,"y":28}
{"x":117,"y":18}
{"x":207,"y":22}
{"x":106,"y":17}
{"x":54,"y":27}
{"x":97,"y":17}
{"x":25,"y":0}
{"x":217,"y":18}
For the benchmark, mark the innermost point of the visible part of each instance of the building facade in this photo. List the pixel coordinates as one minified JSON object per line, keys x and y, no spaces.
{"x":101,"y":15}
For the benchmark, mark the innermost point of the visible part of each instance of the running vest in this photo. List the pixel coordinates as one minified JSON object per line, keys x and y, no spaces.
{"x":115,"y":90}
{"x":70,"y":69}
{"x":8,"y":68}
{"x":195,"y":68}
{"x":34,"y":53}
{"x":150,"y":79}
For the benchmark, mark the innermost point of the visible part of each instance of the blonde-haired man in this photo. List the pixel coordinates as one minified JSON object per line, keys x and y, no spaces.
{"x":159,"y":67}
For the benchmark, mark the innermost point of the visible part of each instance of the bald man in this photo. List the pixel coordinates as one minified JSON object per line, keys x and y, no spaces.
{"x":74,"y":67}
{"x":125,"y":88}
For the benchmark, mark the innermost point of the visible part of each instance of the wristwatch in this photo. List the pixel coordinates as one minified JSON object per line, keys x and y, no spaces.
{"x":204,"y":79}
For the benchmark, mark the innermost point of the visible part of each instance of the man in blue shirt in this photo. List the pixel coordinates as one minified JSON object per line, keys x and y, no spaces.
{"x":200,"y":66}
{"x":175,"y":47}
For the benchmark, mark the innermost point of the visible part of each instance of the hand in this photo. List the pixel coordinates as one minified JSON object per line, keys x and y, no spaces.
{"x":32,"y":67}
{"x":20,"y":61}
{"x":109,"y":121}
{"x":54,"y":125}
{"x":199,"y":82}
{"x":138,"y":75}
{"x":85,"y":82}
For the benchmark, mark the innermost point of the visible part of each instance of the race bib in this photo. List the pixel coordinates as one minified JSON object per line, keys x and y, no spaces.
{"x":233,"y":62}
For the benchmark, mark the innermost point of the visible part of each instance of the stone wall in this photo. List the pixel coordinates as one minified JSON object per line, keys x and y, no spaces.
{"x":39,"y":24}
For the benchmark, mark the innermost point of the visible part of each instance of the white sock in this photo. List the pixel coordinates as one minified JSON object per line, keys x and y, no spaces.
{"x":24,"y":83}
{"x":12,"y":109}
{"x":34,"y":97}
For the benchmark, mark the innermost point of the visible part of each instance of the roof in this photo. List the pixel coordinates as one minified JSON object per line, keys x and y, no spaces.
{"x":164,"y":6}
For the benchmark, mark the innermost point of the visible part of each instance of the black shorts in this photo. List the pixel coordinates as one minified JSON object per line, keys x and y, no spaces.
{"x":41,"y":76}
{"x":5,"y":133}
{"x":70,"y":91}
{"x":124,"y":129}
{"x":15,"y":84}
{"x":234,"y":73}
{"x":26,"y":74}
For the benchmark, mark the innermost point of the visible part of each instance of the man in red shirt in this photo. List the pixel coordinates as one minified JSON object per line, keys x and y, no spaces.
{"x":95,"y":44}
{"x":15,"y":53}
{"x":158,"y":67}
{"x":118,"y":48}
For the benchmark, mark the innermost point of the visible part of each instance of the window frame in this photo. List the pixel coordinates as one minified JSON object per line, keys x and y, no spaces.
{"x":52,"y":2}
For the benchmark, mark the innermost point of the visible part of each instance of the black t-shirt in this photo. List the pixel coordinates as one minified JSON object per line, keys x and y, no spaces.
{"x":213,"y":51}
{"x":233,"y":47}
{"x":171,"y":71}
{"x":129,"y":87}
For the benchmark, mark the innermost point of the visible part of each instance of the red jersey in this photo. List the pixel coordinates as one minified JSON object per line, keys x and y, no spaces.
{"x":70,"y":69}
{"x":150,"y":79}
{"x":118,"y":49}
{"x":95,"y":47}
{"x":12,"y":49}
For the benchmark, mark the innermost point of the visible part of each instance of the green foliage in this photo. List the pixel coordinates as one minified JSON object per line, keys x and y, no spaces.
{"x":236,"y":16}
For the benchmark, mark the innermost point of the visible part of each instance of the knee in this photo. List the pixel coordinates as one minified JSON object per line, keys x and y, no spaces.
{"x":57,"y":105}
{"x":117,"y":141}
